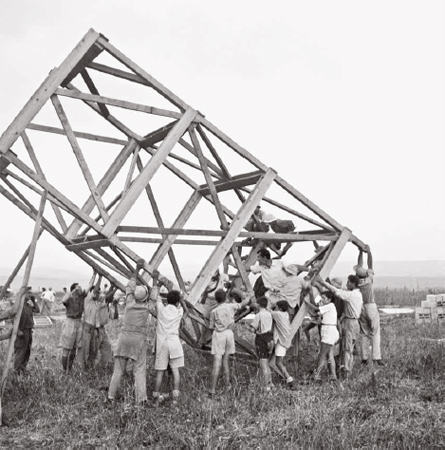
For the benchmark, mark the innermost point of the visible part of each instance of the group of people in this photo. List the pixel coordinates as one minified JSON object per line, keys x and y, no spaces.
{"x":340,"y":313}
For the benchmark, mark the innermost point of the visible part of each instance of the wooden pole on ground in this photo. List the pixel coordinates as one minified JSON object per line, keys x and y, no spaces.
{"x":21,"y":298}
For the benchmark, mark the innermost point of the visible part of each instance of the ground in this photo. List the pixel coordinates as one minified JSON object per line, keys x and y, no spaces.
{"x":401,"y":404}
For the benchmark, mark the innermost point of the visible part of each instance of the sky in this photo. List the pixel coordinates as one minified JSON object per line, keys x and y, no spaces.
{"x":344,"y":99}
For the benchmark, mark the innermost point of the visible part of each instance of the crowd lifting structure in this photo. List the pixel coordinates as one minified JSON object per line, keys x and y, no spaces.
{"x":175,"y":139}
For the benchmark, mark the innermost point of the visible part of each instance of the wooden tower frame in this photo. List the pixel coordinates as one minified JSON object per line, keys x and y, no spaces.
{"x":96,"y":231}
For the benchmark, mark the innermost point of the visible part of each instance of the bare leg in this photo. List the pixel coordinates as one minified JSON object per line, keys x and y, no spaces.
{"x":217,"y":360}
{"x":226,"y":368}
{"x":158,"y":383}
{"x":282,"y":368}
{"x":322,"y":356}
{"x":264,"y":365}
{"x":176,"y":378}
{"x":331,"y":361}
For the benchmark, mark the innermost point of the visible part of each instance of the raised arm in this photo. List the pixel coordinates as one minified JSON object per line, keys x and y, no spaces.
{"x":370,"y":262}
{"x":360,"y":258}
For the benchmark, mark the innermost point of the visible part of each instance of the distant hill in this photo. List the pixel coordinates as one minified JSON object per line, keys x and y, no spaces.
{"x":391,"y":274}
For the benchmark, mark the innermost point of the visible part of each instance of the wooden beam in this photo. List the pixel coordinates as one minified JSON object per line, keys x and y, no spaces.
{"x":180,"y":221}
{"x":78,"y":134}
{"x":79,"y":156}
{"x":234,"y":183}
{"x":324,"y":273}
{"x":238,"y":222}
{"x":44,"y":92}
{"x":158,"y":87}
{"x":160,"y":222}
{"x":118,"y":73}
{"x":147,"y":174}
{"x":131,"y":169}
{"x":104,"y":184}
{"x":92,"y":87}
{"x":157,"y":136}
{"x":39,"y":170}
{"x":101,"y":100}
{"x":208,"y":178}
{"x":89,"y":244}
{"x":144,"y":240}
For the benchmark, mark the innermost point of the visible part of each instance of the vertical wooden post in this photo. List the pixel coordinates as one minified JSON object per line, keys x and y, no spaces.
{"x":17,"y":268}
{"x":21,"y":297}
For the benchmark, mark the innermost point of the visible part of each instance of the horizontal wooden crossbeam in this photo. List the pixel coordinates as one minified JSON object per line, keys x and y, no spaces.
{"x":235,"y":182}
{"x":157,"y":136}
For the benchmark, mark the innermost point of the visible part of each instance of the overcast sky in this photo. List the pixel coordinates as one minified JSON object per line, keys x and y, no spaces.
{"x":345,"y":99}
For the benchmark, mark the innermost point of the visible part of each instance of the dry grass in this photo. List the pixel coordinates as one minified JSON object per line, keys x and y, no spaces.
{"x":399,"y":405}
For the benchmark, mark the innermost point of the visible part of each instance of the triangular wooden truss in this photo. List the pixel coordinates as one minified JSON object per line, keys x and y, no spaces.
{"x":143,"y":133}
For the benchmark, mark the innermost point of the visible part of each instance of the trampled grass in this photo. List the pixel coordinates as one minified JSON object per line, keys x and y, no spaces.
{"x":399,"y":405}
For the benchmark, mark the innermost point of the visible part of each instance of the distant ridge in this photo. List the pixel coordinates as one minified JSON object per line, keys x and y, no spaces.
{"x":392,"y":274}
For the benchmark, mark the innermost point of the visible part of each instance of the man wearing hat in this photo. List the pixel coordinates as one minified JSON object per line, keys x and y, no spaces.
{"x":132,"y":342}
{"x":369,"y":319}
{"x":281,"y":227}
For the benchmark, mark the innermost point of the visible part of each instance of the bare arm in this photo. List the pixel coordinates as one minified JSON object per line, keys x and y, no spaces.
{"x":370,"y":262}
{"x":360,"y":258}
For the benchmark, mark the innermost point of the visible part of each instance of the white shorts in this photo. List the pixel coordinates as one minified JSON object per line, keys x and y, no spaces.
{"x":329,"y":334}
{"x":280,"y":350}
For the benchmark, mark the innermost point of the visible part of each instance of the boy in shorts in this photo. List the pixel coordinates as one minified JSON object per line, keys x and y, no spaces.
{"x":262,"y":326}
{"x":281,"y":338}
{"x":222,"y":321}
{"x":169,"y":351}
{"x":329,"y":333}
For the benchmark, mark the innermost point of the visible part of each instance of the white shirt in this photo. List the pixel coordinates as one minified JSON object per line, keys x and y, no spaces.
{"x":328,"y":314}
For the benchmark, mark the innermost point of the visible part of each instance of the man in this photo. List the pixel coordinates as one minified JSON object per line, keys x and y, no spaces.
{"x":353,"y":302}
{"x":45,"y":302}
{"x":94,"y":335}
{"x":280,"y":279}
{"x":71,"y":336}
{"x":281,"y":227}
{"x":369,"y":319}
{"x":23,"y":342}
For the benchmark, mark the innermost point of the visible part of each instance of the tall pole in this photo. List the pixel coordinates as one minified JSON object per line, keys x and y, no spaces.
{"x":21,"y":297}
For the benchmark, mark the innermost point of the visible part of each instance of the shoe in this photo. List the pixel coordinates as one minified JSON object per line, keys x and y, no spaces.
{"x":379,"y":362}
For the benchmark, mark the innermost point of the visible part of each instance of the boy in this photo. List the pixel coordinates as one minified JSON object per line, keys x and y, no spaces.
{"x":169,"y":351}
{"x":223,"y":343}
{"x":281,"y":338}
{"x":329,"y":333}
{"x":262,"y":326}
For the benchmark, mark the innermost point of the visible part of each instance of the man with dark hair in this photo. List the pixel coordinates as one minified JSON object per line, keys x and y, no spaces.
{"x":71,"y":336}
{"x":169,"y":351}
{"x":353,"y":302}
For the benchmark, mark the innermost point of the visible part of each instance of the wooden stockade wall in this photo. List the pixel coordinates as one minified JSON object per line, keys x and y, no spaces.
{"x":177,"y":141}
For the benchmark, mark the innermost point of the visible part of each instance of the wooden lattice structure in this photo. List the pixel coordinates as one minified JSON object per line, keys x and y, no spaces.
{"x":142,"y":136}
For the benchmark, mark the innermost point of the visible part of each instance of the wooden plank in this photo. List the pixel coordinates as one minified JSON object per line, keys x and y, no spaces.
{"x":45,"y":91}
{"x":39,"y":170}
{"x":272,"y":237}
{"x":78,"y":134}
{"x":147,"y":174}
{"x":160,"y":222}
{"x":144,"y":240}
{"x":101,"y":100}
{"x":224,"y":170}
{"x":75,"y":211}
{"x":21,"y":301}
{"x":234,"y":183}
{"x":324,"y":273}
{"x":110,"y":118}
{"x":180,"y":221}
{"x":88,"y":245}
{"x":157,"y":136}
{"x":79,"y":156}
{"x":92,"y":87}
{"x":158,"y":87}
{"x":131,"y":169}
{"x":238,"y":222}
{"x":104,"y":184}
{"x":208,"y":178}
{"x":118,"y":73}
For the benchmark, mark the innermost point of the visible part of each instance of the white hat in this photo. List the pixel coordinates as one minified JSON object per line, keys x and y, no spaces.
{"x":141,"y":293}
{"x":118,"y":295}
{"x":268,"y":218}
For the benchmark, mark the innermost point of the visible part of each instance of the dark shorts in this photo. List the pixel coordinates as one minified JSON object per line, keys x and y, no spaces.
{"x":264,"y":345}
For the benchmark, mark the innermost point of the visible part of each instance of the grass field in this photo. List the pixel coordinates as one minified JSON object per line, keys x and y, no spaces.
{"x":399,"y":405}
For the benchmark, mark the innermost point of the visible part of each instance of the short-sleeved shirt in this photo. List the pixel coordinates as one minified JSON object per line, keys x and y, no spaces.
{"x":277,"y":277}
{"x":167,"y":328}
{"x":213,"y":287}
{"x":95,"y":312}
{"x":263,"y":321}
{"x":223,"y":316}
{"x":353,"y":302}
{"x":328,"y":314}
{"x":281,"y":328}
{"x":366,"y":287}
